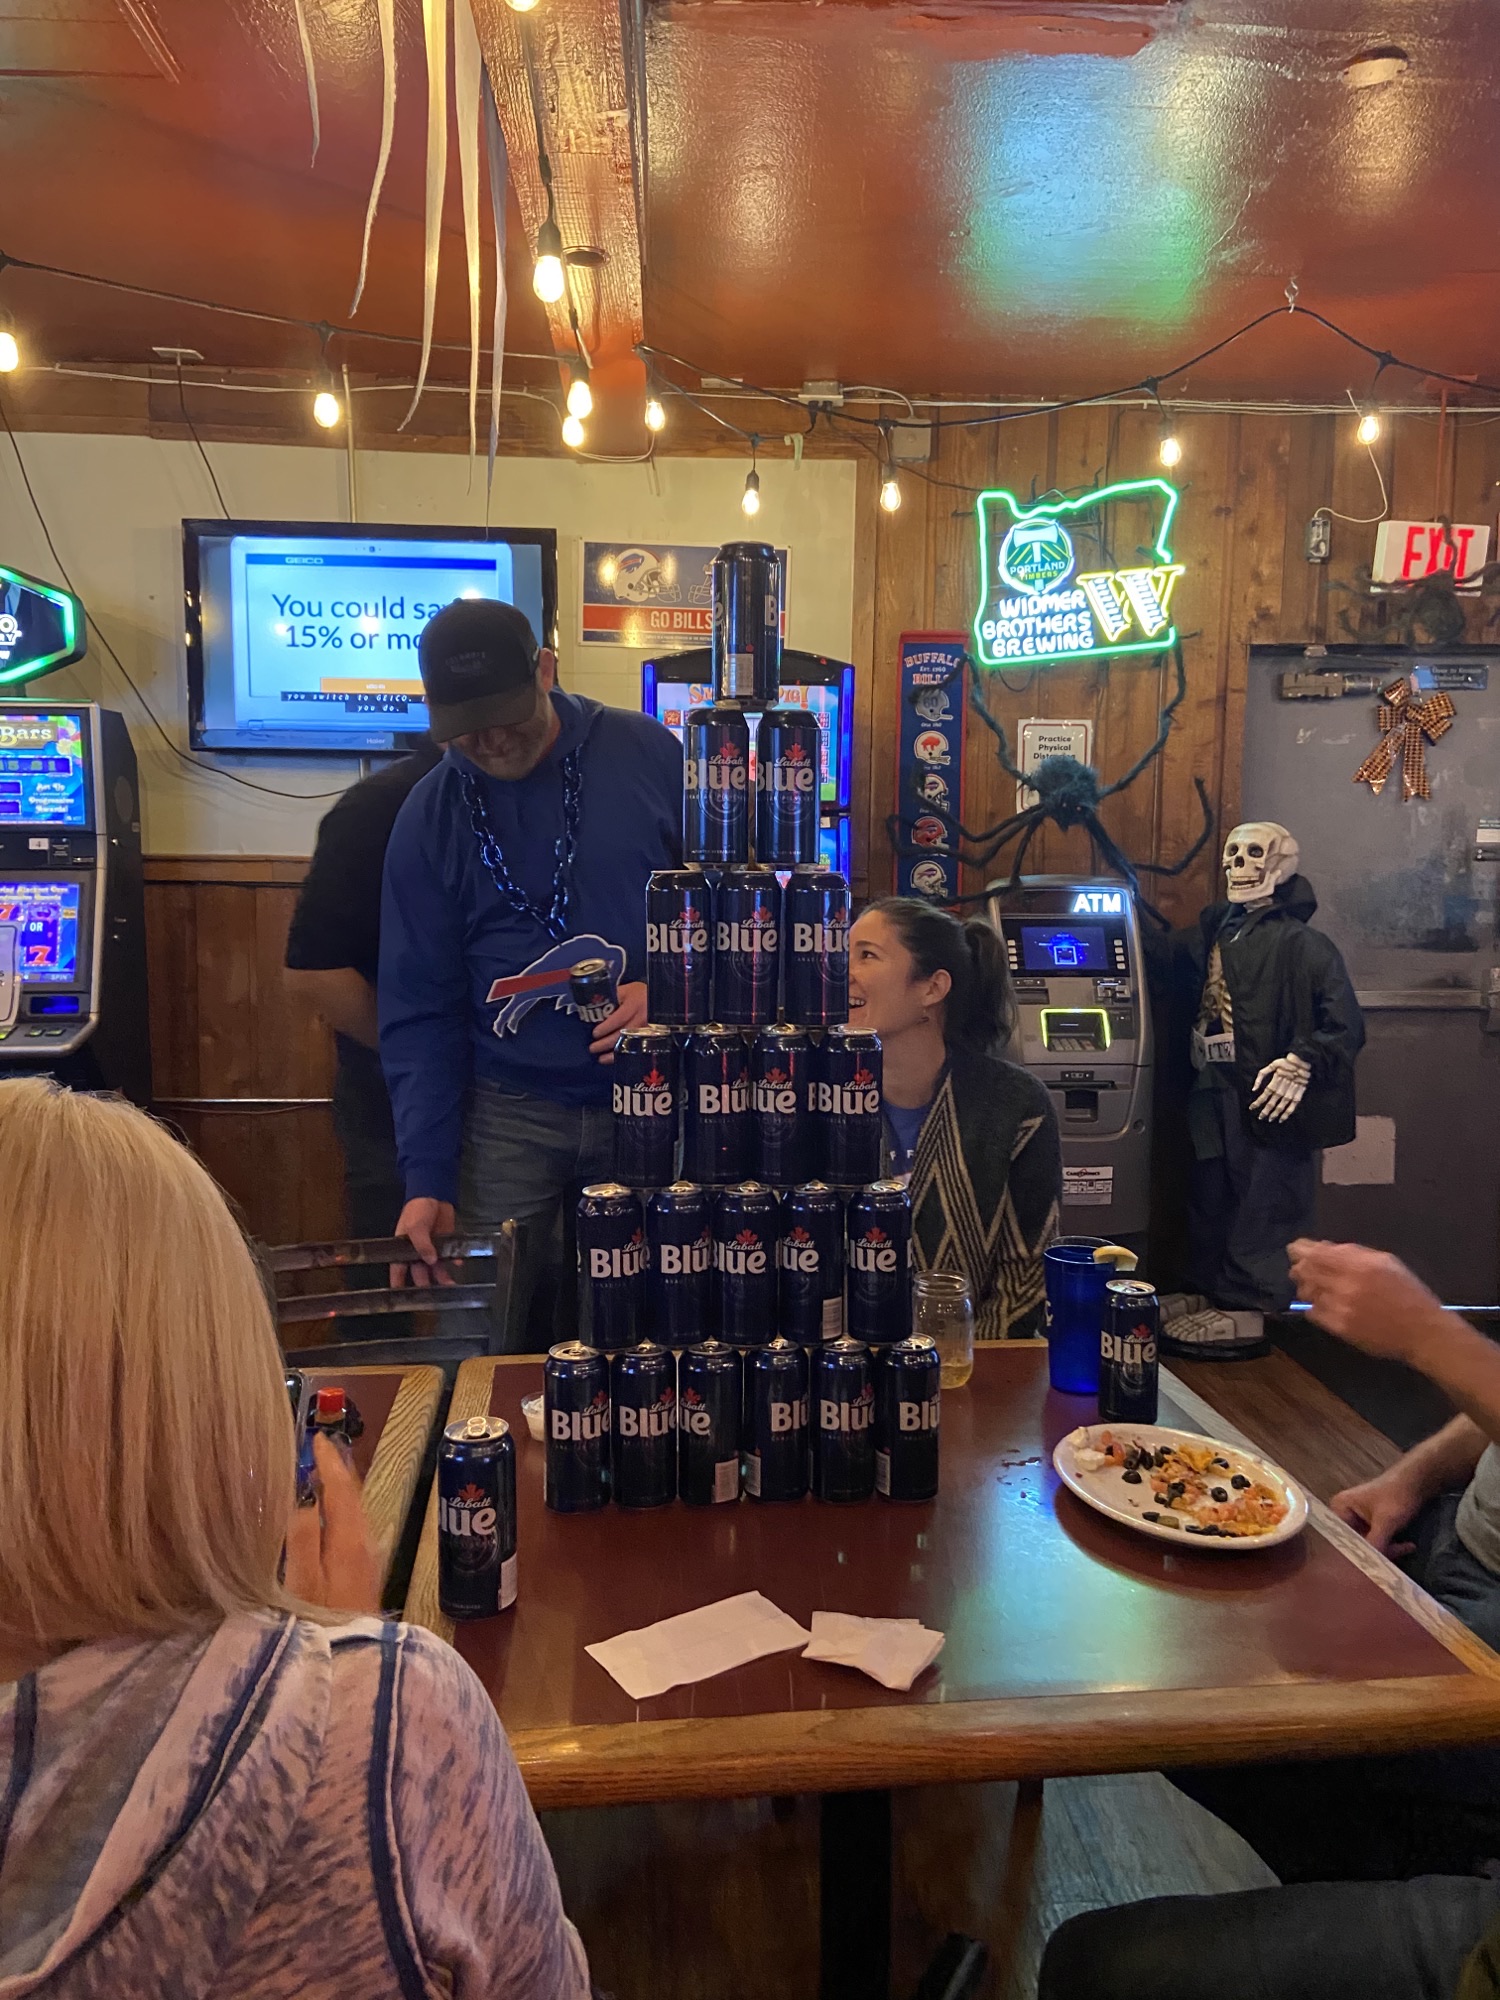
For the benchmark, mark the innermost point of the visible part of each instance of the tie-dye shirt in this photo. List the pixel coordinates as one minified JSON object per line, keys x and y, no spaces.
{"x":273,"y":1809}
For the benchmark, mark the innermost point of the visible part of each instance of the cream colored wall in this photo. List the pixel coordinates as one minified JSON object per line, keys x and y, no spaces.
{"x":115,"y":505}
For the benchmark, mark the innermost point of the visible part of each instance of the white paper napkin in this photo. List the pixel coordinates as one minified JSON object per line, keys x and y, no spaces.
{"x":697,"y":1644}
{"x":892,"y":1651}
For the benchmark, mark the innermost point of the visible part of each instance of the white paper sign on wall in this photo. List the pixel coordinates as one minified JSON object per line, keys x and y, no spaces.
{"x":1041,"y":737}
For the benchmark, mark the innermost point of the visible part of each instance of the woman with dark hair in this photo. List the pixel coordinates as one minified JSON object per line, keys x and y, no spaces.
{"x":977,"y":1134}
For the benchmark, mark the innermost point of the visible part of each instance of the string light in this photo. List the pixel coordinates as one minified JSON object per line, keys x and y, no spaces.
{"x":750,"y":498}
{"x":572,"y":431}
{"x":547,"y":276}
{"x":327,"y":409}
{"x":1368,"y":431}
{"x":10,"y":353}
{"x":580,"y":395}
{"x":520,"y":6}
{"x":656,"y":415}
{"x":890,"y":485}
{"x":1170,"y":450}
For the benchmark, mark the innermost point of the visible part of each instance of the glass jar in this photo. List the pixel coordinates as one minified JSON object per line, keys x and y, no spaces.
{"x":942,"y":1309}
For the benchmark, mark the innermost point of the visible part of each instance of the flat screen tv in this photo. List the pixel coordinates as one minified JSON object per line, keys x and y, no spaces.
{"x":302,"y":635}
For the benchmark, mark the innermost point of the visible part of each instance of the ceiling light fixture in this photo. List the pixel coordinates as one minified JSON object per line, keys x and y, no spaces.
{"x":547,"y":277}
{"x":750,"y":498}
{"x":580,"y":395}
{"x":572,"y":431}
{"x":656,"y":415}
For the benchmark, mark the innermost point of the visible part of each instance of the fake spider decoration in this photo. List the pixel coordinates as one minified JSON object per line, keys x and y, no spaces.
{"x":1068,"y":795}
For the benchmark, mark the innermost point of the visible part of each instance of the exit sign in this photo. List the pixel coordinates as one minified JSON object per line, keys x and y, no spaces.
{"x":1408,"y":550}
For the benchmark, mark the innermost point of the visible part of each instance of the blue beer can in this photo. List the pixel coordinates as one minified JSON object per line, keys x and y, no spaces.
{"x":476,"y":1473}
{"x":811,"y":1257}
{"x":643,"y":1406}
{"x":716,"y":786}
{"x":679,"y":1264}
{"x":780,"y":1086}
{"x":775,"y":1456}
{"x":611,"y":1264}
{"x":575,"y":1418}
{"x":878,"y":1259}
{"x":907,"y":1410}
{"x":786,"y":788}
{"x":748,"y":588}
{"x":745,"y":1230}
{"x":679,"y":947}
{"x":645,"y":1098}
{"x":715,"y":1106}
{"x":848,"y":1103}
{"x":747,"y":946}
{"x":842,"y":1421}
{"x":710,"y":1388}
{"x":1128,"y":1366}
{"x":815,"y":947}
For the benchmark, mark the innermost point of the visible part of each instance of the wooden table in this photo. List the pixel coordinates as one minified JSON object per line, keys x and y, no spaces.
{"x":1073,"y":1646}
{"x":398,"y":1406}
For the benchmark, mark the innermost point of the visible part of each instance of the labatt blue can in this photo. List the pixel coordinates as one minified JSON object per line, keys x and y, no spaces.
{"x":811,"y":1256}
{"x":748,"y":587}
{"x":476,"y":1475}
{"x":815,"y":947}
{"x":841,"y":1396}
{"x":710,"y":1389}
{"x":1127,"y":1352}
{"x":645,"y":1098}
{"x":643,"y":1415}
{"x":747,"y":946}
{"x":679,"y":947}
{"x":679,"y":1264}
{"x":715,"y":1106}
{"x":907,"y":1411}
{"x":780,"y":1087}
{"x":611,"y":1264}
{"x":775,"y":1455}
{"x":716,"y":786}
{"x":575,"y":1419}
{"x":745,"y":1231}
{"x":786,"y":788}
{"x":878,"y":1260}
{"x":848,"y":1107}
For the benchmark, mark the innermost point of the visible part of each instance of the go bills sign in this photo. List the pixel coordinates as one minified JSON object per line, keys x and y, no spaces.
{"x":1044,"y":594}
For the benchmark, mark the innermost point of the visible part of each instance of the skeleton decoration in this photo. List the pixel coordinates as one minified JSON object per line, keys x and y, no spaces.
{"x":1258,"y":856}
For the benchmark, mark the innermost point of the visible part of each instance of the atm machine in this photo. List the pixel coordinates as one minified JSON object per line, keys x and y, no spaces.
{"x":1073,"y":947}
{"x":72,"y":907}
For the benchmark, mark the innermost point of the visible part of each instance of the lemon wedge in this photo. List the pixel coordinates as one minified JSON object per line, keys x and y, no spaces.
{"x":1116,"y":1254}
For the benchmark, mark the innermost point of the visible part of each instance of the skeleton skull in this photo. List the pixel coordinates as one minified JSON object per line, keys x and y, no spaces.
{"x":1258,"y":856}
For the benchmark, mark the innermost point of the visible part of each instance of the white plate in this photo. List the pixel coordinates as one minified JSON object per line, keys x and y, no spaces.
{"x":1106,"y":1491}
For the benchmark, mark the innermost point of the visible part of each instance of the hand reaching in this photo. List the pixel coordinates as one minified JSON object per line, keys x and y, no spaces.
{"x":629,"y":1012}
{"x":1281,"y":1086}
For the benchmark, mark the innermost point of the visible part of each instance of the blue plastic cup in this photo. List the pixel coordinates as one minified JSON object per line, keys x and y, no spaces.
{"x":1075,"y":1312}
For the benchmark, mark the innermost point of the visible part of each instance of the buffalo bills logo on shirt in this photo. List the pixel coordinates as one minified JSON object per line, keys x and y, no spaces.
{"x":546,"y":979}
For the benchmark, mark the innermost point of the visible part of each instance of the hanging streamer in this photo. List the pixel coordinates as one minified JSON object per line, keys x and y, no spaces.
{"x":386,"y":11}
{"x":310,"y":71}
{"x":435,"y":44}
{"x":499,"y":162}
{"x":468,"y":85}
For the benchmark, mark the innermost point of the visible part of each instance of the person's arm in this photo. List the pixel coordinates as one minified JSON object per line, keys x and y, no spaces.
{"x":1035,"y":1187}
{"x":342,"y":997}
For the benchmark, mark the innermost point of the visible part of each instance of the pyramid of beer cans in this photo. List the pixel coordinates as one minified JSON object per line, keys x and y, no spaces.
{"x":747,"y":1226}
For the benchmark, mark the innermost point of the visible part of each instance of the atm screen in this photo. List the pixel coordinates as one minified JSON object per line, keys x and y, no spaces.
{"x":46,"y":914}
{"x":1064,"y":948}
{"x":43,"y":775}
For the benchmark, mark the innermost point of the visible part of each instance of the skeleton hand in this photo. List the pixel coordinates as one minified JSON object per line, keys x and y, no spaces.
{"x":1281,"y":1086}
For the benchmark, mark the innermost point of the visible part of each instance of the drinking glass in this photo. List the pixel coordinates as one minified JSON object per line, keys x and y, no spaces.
{"x":942,"y":1309}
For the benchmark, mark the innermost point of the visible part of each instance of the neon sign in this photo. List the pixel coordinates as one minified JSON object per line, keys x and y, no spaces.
{"x":1036,"y":604}
{"x":41,"y":627}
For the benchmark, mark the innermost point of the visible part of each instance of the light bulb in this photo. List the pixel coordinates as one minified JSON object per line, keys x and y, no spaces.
{"x":890,"y":491}
{"x":750,"y":498}
{"x":547,"y":277}
{"x":326,"y":409}
{"x":572,"y":430}
{"x":10,"y":354}
{"x":656,"y":416}
{"x":1171,"y":450}
{"x":580,"y":395}
{"x":1369,"y":428}
{"x":521,"y":6}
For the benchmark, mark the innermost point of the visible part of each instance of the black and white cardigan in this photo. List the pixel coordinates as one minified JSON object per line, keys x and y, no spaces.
{"x":986,"y":1189}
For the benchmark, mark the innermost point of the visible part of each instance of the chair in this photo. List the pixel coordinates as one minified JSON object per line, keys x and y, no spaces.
{"x":488,"y":1301}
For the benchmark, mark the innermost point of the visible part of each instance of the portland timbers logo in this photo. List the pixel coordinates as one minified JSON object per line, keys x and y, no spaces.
{"x":1036,"y":556}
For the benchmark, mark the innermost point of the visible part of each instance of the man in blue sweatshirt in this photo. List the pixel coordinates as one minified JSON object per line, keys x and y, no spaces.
{"x":524,"y":853}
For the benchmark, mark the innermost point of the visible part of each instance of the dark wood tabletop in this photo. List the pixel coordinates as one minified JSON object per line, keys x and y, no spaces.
{"x":397,"y":1406}
{"x":1073,"y":1645}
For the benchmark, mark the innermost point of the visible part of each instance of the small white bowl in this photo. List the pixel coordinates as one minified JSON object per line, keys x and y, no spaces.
{"x":531,"y":1409}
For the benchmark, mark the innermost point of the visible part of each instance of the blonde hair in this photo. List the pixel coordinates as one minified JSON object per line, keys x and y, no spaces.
{"x":146,"y":1446}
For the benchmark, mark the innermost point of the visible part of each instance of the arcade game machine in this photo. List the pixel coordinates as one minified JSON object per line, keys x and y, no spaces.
{"x":1073,"y":947}
{"x":677,"y":682}
{"x":72,"y":913}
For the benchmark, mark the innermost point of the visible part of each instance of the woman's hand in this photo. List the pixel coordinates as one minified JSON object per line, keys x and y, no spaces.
{"x":331,"y":1557}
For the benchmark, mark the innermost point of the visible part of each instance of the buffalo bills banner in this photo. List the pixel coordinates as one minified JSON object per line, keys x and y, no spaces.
{"x":657,"y":598}
{"x":930,"y":762}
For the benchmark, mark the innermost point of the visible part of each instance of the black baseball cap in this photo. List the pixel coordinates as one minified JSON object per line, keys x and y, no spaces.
{"x":479,"y":665}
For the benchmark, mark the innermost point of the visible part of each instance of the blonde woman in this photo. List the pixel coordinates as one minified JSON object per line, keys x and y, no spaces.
{"x":204,"y":1787}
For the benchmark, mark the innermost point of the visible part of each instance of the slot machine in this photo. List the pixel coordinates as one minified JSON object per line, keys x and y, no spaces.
{"x":1073,"y":948}
{"x":73,"y":998}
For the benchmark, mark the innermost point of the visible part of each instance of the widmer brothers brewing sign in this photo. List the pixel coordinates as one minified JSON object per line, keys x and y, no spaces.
{"x":1048,"y":589}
